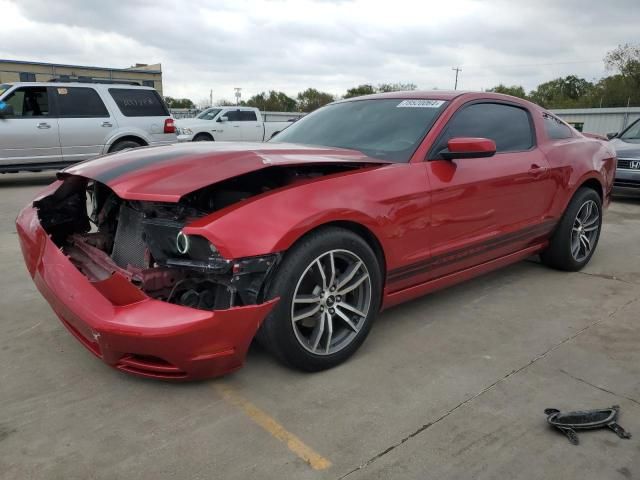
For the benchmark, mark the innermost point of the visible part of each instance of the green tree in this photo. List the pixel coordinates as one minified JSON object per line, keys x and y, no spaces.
{"x":273,"y":102}
{"x":614,"y":91}
{"x":513,"y":90}
{"x":396,"y":87}
{"x":567,"y":92}
{"x":360,"y":90}
{"x":368,"y":89}
{"x":626,"y":60}
{"x":311,"y":99}
{"x":179,"y":102}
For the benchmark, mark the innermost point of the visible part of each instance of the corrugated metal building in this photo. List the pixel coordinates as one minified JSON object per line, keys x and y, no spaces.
{"x":599,"y":120}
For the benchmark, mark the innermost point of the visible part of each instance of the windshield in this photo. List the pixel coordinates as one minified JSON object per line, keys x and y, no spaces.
{"x":632,"y":134}
{"x":208,"y":114}
{"x":4,"y":87}
{"x":390,"y":129}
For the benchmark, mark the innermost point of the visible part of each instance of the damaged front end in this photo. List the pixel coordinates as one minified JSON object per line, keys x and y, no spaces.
{"x":143,"y":242}
{"x":137,"y":292}
{"x":140,"y":293}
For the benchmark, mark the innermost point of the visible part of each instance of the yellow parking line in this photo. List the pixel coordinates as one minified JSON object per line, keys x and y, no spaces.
{"x":297,"y":446}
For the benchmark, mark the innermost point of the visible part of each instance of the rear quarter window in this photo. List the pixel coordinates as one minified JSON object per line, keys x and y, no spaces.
{"x":139,"y":103}
{"x":556,"y":128}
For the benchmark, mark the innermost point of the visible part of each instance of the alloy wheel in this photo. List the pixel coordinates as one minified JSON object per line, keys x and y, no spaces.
{"x":331,"y":302}
{"x":584,"y":233}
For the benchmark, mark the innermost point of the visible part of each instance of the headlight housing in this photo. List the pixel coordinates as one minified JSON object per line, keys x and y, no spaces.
{"x":185,"y":131}
{"x":197,"y":252}
{"x":195,"y":247}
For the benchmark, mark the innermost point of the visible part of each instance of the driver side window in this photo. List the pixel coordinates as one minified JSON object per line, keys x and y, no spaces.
{"x":507,"y":125}
{"x":29,"y":102}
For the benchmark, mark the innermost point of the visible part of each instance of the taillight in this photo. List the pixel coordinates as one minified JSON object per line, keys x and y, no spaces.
{"x":169,"y":126}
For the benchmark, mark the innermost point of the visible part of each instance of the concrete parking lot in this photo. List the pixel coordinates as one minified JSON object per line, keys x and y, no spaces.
{"x":452,"y":385}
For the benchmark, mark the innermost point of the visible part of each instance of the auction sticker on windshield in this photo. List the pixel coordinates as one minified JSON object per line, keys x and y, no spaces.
{"x":420,"y":104}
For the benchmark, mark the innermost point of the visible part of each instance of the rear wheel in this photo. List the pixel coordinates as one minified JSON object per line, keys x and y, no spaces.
{"x":329,"y":286}
{"x":576,"y":237}
{"x":124,"y":145}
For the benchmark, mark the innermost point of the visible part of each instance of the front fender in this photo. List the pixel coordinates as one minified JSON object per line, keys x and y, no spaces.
{"x":273,"y":223}
{"x":389,"y":201}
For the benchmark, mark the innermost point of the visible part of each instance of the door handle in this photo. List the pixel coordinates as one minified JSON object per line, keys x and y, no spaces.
{"x":107,"y":124}
{"x":236,"y":126}
{"x":537,"y":171}
{"x":43,"y":125}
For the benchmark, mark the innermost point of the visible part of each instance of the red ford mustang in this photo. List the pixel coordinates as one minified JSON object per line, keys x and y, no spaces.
{"x":186,"y":252}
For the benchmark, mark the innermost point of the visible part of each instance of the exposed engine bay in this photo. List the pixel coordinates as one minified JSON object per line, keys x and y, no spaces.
{"x":142,"y":241}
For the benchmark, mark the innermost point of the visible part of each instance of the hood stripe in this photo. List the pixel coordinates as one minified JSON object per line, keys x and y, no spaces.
{"x":128,"y":166}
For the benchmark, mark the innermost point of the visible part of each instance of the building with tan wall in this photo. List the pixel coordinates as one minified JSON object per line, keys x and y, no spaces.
{"x":23,"y":71}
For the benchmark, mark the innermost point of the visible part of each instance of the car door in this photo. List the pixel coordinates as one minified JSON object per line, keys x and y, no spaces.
{"x":252,"y":129}
{"x":486,"y":208}
{"x":84,"y":121}
{"x":30,"y":134}
{"x":231,"y":129}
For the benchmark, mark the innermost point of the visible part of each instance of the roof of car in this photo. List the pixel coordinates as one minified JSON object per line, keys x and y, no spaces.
{"x":419,"y":94}
{"x":77,"y":84}
{"x":446,"y":95}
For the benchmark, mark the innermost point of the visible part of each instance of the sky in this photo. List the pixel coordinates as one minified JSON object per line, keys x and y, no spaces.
{"x":331,"y":45}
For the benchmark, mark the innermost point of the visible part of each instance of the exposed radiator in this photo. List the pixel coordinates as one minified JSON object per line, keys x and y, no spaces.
{"x":128,"y":245}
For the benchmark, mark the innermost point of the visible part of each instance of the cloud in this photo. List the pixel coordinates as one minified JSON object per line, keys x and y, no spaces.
{"x":290,"y":45}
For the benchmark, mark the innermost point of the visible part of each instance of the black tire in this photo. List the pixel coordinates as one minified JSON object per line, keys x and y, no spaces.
{"x":123,"y":145}
{"x":559,"y":254}
{"x":202,"y":137}
{"x":277,"y":331}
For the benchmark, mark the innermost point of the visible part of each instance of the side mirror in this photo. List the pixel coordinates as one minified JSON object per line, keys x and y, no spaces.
{"x":612,"y":135}
{"x":468,"y":147}
{"x":6,"y":110}
{"x":223,"y":119}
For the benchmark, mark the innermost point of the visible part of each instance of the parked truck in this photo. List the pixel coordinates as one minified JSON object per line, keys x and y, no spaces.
{"x":244,"y":124}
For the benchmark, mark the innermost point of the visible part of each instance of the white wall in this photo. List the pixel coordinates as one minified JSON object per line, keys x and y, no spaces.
{"x":600,"y":120}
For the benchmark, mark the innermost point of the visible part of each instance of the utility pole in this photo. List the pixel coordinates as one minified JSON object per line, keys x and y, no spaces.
{"x":211,"y":98}
{"x":238,"y":95}
{"x":457,"y":70}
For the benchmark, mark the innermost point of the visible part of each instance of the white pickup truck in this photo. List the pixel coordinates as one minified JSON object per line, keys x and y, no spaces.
{"x":244,"y":124}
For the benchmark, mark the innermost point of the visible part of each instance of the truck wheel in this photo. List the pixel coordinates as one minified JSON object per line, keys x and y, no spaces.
{"x":202,"y":137}
{"x":124,"y":145}
{"x":330,"y":287}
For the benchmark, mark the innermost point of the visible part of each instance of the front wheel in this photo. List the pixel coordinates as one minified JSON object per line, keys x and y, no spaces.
{"x":576,"y":237}
{"x":329,"y":286}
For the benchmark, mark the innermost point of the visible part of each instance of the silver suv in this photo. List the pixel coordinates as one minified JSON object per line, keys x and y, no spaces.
{"x":53,"y":125}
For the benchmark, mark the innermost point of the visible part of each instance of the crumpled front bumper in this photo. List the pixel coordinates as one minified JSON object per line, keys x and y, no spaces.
{"x":130,"y":331}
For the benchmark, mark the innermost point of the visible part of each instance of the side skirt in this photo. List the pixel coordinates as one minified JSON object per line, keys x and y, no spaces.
{"x":395,"y":298}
